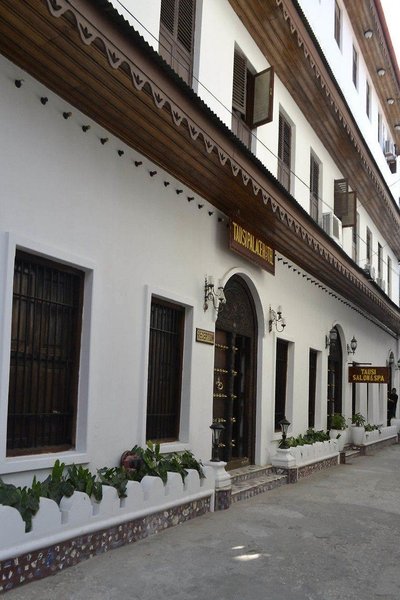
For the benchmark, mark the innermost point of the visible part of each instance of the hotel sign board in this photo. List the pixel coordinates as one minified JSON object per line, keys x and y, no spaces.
{"x":248,"y":243}
{"x":368,"y":374}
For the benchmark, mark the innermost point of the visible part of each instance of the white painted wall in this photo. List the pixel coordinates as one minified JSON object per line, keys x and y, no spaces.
{"x":66,"y":195}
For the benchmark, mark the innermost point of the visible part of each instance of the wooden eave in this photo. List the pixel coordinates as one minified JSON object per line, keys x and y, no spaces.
{"x":81,"y":51}
{"x":283,"y":35}
{"x":378,"y":53}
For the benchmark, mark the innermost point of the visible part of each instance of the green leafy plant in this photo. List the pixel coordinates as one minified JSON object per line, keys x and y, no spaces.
{"x":154,"y":463}
{"x":358,"y":420}
{"x":338,"y":421}
{"x":369,"y":427}
{"x":25,"y":500}
{"x":54,"y":486}
{"x":83,"y":481}
{"x":116,"y":477}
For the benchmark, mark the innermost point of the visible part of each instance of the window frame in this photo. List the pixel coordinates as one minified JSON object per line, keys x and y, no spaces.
{"x":78,"y":454}
{"x":368,"y":99}
{"x":176,"y":387}
{"x":337,"y":24}
{"x":355,"y":67}
{"x":284,"y":174}
{"x":173,"y":43}
{"x":248,"y":96}
{"x":315,"y":196}
{"x":47,"y":347}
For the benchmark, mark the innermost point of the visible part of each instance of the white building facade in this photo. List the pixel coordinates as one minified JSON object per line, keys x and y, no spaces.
{"x":123,"y":186}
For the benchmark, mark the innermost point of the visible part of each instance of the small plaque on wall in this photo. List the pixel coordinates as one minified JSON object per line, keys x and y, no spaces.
{"x":205,"y":337}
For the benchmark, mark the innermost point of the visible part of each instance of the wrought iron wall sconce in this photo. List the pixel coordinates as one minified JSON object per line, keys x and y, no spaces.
{"x":351,"y":349}
{"x":217,"y":430}
{"x":284,"y":425}
{"x":330,"y":339}
{"x":212,"y":296}
{"x":275,"y":318}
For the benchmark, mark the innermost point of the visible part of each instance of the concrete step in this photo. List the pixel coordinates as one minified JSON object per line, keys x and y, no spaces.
{"x":348,"y":453}
{"x":260,"y":480}
{"x":250,"y":472}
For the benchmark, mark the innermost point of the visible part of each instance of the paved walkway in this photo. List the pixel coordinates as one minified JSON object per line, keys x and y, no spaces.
{"x":333,"y":536}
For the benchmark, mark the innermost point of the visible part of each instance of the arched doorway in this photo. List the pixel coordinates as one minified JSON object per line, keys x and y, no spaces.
{"x":335,"y":373}
{"x":234,"y":402}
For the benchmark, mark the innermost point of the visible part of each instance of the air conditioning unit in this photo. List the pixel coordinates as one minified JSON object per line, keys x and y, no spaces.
{"x":390,"y":150}
{"x":369,"y":271}
{"x":333,"y":226}
{"x":382,"y":283}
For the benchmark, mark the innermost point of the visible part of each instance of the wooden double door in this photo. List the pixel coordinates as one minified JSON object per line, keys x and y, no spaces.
{"x":234,"y":401}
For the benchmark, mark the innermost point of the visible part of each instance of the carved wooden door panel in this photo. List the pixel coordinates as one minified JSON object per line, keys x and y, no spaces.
{"x":234,"y":374}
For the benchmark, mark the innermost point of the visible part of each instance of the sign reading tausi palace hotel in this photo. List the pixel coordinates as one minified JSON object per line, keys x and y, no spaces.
{"x":246,"y":242}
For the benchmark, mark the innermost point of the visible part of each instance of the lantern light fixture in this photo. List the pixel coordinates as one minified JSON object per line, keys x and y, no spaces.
{"x":212,"y":296}
{"x":351,"y":349}
{"x":368,"y":33}
{"x":284,"y":425}
{"x":217,"y":429}
{"x":330,"y":339}
{"x":381,"y":71}
{"x":276,"y":318}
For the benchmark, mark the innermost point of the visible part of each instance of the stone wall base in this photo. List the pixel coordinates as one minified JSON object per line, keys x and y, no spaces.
{"x":296,"y":473}
{"x":371,"y":448}
{"x":52,"y":559}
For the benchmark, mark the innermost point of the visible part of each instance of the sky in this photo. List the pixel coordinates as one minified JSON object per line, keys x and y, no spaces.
{"x":392,"y":16}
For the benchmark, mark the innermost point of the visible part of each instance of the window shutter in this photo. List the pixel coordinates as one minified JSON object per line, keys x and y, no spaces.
{"x":239,"y":82}
{"x":185,"y":24}
{"x":263,"y":98}
{"x":167,"y":16}
{"x":345,"y":203}
{"x":285,"y":140}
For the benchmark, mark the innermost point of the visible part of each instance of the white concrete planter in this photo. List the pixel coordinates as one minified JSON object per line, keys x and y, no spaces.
{"x":78,"y":515}
{"x":357,"y":435}
{"x":341,"y":436}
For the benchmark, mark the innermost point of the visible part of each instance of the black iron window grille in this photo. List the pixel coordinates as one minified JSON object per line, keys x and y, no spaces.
{"x":44,"y":359}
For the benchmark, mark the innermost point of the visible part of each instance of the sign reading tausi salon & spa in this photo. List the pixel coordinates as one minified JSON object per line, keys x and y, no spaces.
{"x":368,"y":374}
{"x":251,"y":245}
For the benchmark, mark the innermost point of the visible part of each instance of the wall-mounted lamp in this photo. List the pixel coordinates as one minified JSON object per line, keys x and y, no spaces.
{"x":217,"y":430}
{"x":217,"y":298}
{"x":275,"y":318}
{"x":352,"y":347}
{"x":368,"y":34}
{"x":397,"y":126}
{"x":330,"y":339}
{"x":284,"y":425}
{"x":390,"y":100}
{"x":381,"y":71}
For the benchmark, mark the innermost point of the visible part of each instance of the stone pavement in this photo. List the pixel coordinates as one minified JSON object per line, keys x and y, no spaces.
{"x":333,"y":536}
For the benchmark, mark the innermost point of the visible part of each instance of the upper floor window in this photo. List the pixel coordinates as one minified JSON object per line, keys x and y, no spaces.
{"x":369,"y":246}
{"x":389,"y":276}
{"x":165,"y":371}
{"x":380,"y":261}
{"x":281,"y":369}
{"x":368,"y":99}
{"x":252,"y":97}
{"x":284,"y":151}
{"x":355,"y":67}
{"x":177,"y":35}
{"x":338,"y":24}
{"x":314,"y":188}
{"x":45,"y":353}
{"x":355,"y":238}
{"x":380,"y":128}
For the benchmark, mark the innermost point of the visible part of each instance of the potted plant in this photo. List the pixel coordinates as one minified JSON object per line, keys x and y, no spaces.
{"x":357,"y":429}
{"x":338,"y":430}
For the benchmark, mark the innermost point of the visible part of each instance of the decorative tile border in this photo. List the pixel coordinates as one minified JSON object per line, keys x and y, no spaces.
{"x":52,"y":559}
{"x":223,"y":499}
